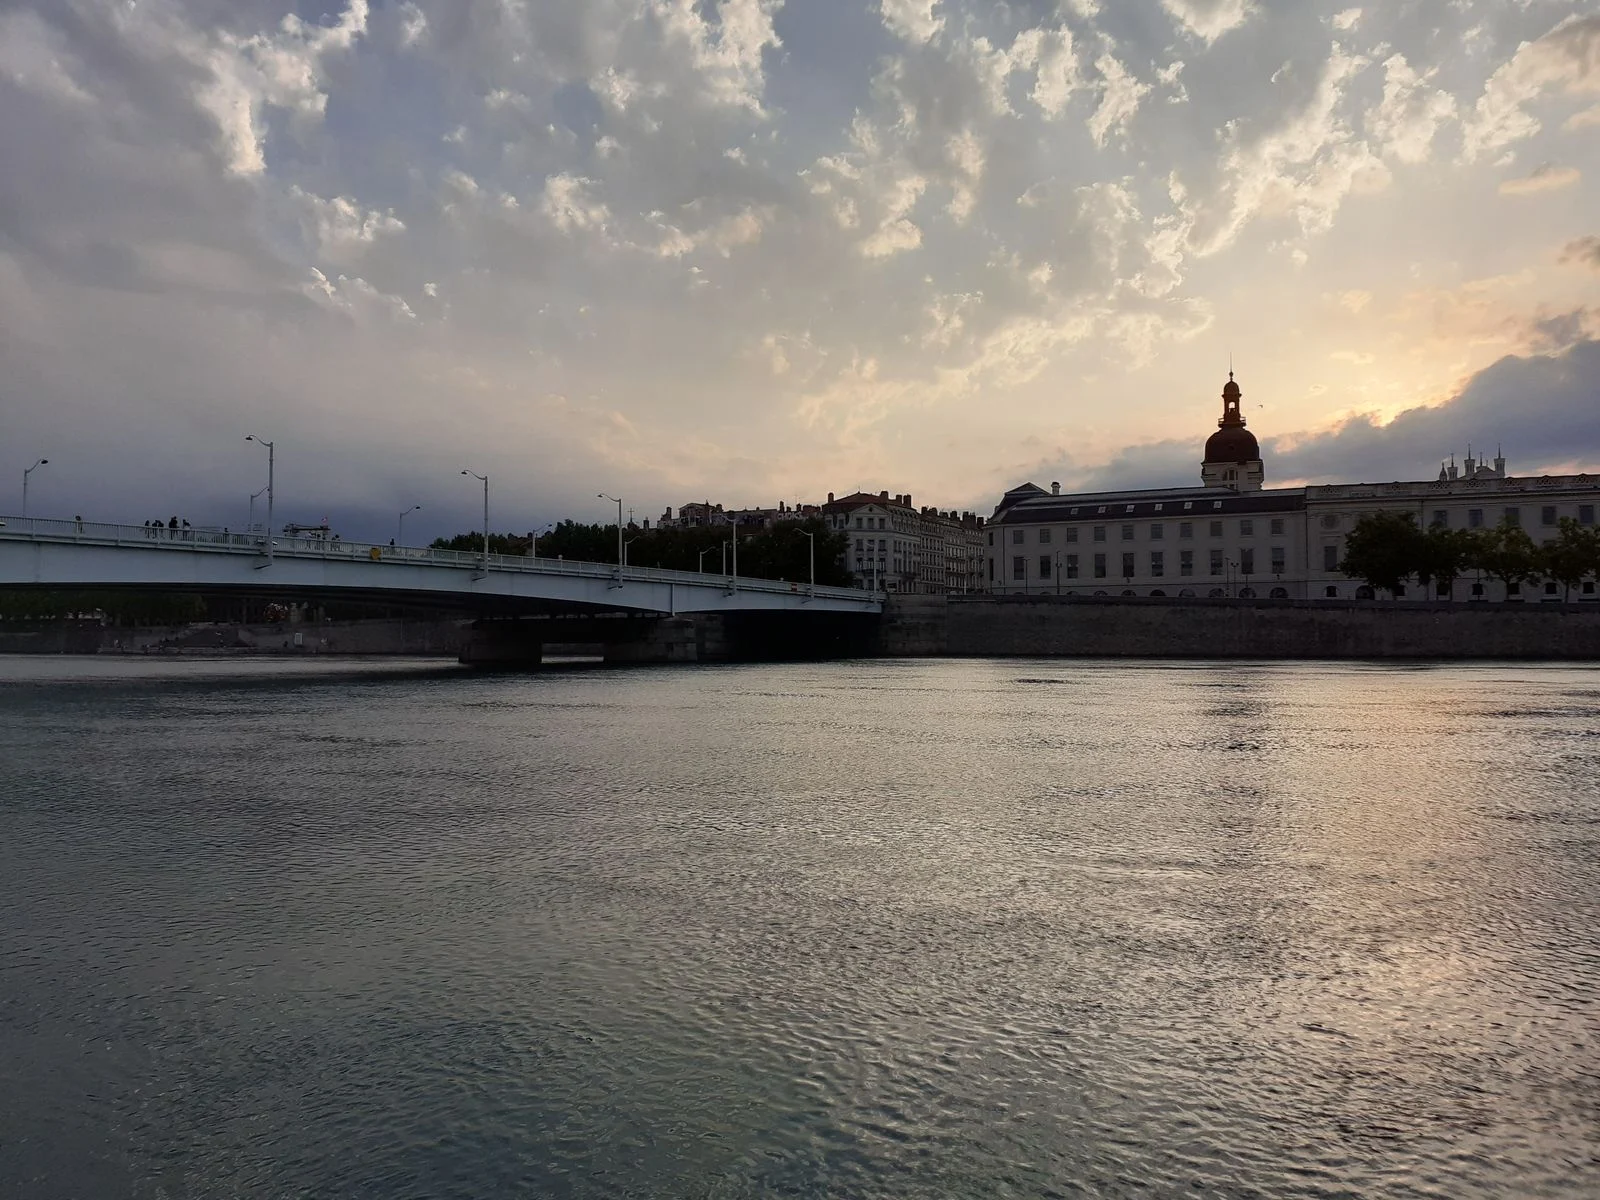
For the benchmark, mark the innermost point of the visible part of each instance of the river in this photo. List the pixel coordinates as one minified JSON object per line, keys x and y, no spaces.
{"x":889,"y":928}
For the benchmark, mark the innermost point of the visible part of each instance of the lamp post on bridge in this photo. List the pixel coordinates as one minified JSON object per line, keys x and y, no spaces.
{"x":271,"y":461}
{"x":708,"y":550}
{"x":533,"y":538}
{"x":733,"y":522}
{"x":812,"y":555}
{"x":250,"y":521}
{"x":485,"y":480}
{"x":620,"y":548}
{"x":625,"y":546}
{"x":400,"y":525}
{"x":43,"y":462}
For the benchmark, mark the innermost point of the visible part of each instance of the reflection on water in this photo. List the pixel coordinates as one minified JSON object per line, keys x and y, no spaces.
{"x":887,"y":929}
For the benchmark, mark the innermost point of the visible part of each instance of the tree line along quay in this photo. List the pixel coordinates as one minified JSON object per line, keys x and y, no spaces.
{"x":1388,"y":550}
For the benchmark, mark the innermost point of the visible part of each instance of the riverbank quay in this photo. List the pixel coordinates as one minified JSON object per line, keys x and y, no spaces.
{"x":911,"y":627}
{"x":445,"y":638}
{"x":1094,"y":627}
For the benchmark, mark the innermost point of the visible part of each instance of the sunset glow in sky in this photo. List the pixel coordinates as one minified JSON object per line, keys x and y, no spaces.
{"x":755,"y":250}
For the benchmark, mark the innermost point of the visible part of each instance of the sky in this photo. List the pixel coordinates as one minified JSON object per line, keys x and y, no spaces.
{"x":763,"y":250}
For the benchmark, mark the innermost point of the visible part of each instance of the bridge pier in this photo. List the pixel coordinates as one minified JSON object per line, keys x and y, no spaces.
{"x":502,"y":644}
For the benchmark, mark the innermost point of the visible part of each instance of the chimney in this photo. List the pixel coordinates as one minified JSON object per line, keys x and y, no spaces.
{"x":830,"y":497}
{"x":1055,"y":489}
{"x":883,"y":495}
{"x":908,"y":499}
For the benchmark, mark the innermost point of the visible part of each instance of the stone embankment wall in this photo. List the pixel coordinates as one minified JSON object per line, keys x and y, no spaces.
{"x":1048,"y":625}
{"x":421,"y":638}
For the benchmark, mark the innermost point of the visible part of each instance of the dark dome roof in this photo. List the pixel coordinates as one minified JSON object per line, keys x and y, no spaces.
{"x":1232,"y":443}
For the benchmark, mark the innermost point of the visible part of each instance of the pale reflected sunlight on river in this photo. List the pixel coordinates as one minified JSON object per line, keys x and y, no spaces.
{"x":888,"y":928}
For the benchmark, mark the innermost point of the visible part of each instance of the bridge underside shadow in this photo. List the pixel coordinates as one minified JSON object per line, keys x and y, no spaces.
{"x":699,"y":637}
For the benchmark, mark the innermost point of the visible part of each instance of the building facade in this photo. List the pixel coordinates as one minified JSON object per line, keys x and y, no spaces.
{"x":893,"y":546}
{"x":1232,"y":536}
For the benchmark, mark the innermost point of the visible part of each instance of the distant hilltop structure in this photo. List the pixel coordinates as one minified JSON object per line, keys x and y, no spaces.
{"x":1233,"y":536}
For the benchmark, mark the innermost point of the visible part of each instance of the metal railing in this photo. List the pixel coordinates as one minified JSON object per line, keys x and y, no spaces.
{"x":223,"y":541}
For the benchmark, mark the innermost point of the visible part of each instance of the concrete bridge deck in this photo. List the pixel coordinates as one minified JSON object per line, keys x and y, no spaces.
{"x":73,"y":555}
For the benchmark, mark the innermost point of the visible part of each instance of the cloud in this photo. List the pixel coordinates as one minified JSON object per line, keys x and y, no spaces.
{"x":1539,"y":408}
{"x":1566,"y":59}
{"x":1410,"y":114}
{"x":1546,"y":177}
{"x":1584,"y":250}
{"x":1209,"y":19}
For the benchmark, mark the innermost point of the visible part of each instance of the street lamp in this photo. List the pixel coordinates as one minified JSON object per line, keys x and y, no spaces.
{"x":533,"y":538}
{"x":485,"y":479}
{"x":733,"y":521}
{"x":250,"y":523}
{"x":43,"y":462}
{"x":400,"y":525}
{"x":603,"y":496}
{"x":625,"y":546}
{"x":271,"y":458}
{"x":708,"y":550}
{"x":812,"y":555}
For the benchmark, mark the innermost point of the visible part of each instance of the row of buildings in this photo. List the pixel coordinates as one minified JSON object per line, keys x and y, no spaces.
{"x":1230,"y":537}
{"x":891,"y":545}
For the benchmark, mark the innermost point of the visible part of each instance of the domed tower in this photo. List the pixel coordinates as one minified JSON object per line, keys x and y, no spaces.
{"x":1233,"y":459}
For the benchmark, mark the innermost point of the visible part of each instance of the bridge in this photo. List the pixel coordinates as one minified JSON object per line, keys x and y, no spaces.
{"x":80,"y":555}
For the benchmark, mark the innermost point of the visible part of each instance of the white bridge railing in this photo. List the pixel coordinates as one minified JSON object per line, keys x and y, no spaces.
{"x":223,"y":541}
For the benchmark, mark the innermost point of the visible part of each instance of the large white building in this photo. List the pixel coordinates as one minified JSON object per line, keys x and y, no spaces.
{"x":1234,"y":537}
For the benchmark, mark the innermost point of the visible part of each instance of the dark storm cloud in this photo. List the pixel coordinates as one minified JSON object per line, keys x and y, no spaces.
{"x":1544,"y":411}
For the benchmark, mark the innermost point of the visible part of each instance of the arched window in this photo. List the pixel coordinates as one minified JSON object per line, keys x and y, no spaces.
{"x":1158,"y":592}
{"x":1279,"y":593}
{"x":1364,"y":593}
{"x":1100,"y":593}
{"x":1247,"y":593}
{"x":1186,"y":592}
{"x":1129,"y":592}
{"x":1217,"y":593}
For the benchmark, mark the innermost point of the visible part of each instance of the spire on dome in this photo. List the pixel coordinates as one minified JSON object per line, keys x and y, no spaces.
{"x":1231,"y":394}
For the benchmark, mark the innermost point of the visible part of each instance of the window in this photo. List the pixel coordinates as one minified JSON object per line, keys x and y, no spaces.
{"x":1277,"y":560}
{"x":1277,"y":526}
{"x":1127,"y":565}
{"x":1128,"y":509}
{"x":1514,"y":517}
{"x":858,"y":523}
{"x":1185,"y":562}
{"x":1247,"y":561}
{"x":1044,"y":537}
{"x":1247,"y":528}
{"x":1072,"y":533}
{"x":1441,"y":519}
{"x":1186,"y":529}
{"x":991,"y":537}
{"x":1187,"y":505}
{"x":858,"y":545}
{"x":991,"y":570}
{"x":1157,"y":563}
{"x":1127,"y":533}
{"x":1158,"y":508}
{"x":1585,"y":514}
{"x":1157,"y":531}
{"x":1016,"y":537}
{"x":1330,"y":520}
{"x":1216,"y":529}
{"x":1549,"y":589}
{"x":1099,"y":533}
{"x":1330,"y":558}
{"x":1547,"y":515}
{"x":883,"y":544}
{"x":1019,"y":568}
{"x":1216,"y":562}
{"x":1099,"y":566}
{"x":1474,"y":518}
{"x":1331,"y":592}
{"x":1477,"y":590}
{"x":1044,"y":566}
{"x":1071,"y":564}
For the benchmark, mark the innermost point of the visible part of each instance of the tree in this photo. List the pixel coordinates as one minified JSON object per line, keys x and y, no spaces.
{"x":1442,"y":557}
{"x":1505,"y":553}
{"x":1572,"y":556}
{"x":1384,"y":549}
